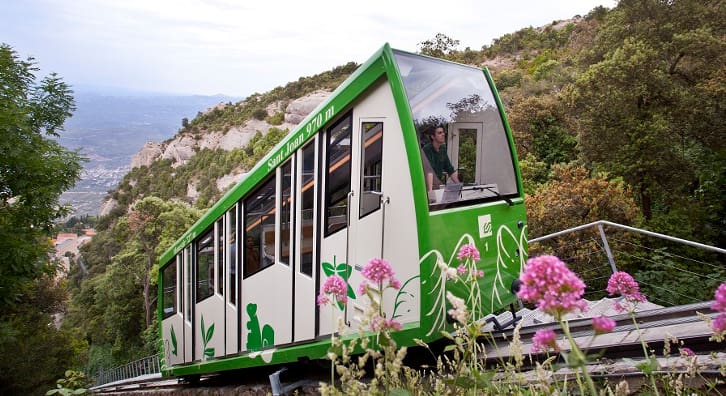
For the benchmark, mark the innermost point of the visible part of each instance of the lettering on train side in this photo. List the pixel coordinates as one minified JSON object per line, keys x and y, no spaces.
{"x":312,"y":126}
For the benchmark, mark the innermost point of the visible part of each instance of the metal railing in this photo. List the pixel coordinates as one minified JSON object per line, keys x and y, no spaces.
{"x":671,"y":271}
{"x":137,"y":368}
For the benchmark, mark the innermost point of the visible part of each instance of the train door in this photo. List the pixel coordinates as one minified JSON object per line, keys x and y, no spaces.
{"x":209,"y":312}
{"x":266,"y":299}
{"x":465,"y":150}
{"x":231,"y":281}
{"x":305,"y":225}
{"x":188,"y":306}
{"x":335,"y":200}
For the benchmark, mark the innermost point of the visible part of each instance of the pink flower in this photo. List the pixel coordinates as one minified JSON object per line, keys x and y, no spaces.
{"x":468,"y":251}
{"x":381,"y":324}
{"x":461,"y":269}
{"x":323,"y":299}
{"x":603,"y":324}
{"x":686,"y":352}
{"x":543,"y":340}
{"x":377,"y":270}
{"x":624,"y":284}
{"x":479,"y":274}
{"x":394,"y":283}
{"x":719,"y":303}
{"x":336,"y":287}
{"x":719,"y":324}
{"x":547,"y":282}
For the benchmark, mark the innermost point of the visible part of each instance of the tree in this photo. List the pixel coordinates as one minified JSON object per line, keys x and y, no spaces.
{"x":34,"y":169}
{"x":440,"y":46}
{"x":572,"y":198}
{"x":153,"y":225}
{"x":650,"y":104}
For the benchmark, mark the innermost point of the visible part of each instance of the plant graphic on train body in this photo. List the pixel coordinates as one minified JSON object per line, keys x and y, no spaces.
{"x":256,"y":338}
{"x":343,"y":270}
{"x":206,"y":337}
{"x":173,"y":341}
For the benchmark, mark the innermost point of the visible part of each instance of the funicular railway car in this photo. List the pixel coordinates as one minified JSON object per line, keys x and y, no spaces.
{"x":352,"y":182}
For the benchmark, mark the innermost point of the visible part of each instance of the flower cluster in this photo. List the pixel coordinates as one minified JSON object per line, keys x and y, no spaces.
{"x":376,"y":272}
{"x":468,"y":251}
{"x":547,"y":282}
{"x":719,"y":304}
{"x":459,"y":311}
{"x":603,"y":324}
{"x":544,"y":340}
{"x":334,"y":287}
{"x":622,"y":283}
{"x":380,"y":323}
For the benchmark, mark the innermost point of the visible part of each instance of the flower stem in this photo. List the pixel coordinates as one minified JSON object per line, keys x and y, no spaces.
{"x":579,"y":356}
{"x":645,"y":352}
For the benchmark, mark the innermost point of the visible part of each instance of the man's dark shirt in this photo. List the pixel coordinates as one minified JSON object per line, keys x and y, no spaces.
{"x":439,"y":160}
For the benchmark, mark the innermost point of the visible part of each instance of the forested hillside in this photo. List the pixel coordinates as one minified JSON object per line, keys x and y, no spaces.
{"x":617,"y":115}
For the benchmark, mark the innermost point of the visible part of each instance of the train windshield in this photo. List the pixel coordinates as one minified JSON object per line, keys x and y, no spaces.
{"x":464,"y":146}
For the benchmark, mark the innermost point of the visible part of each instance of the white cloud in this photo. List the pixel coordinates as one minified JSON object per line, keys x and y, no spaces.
{"x":234,"y":47}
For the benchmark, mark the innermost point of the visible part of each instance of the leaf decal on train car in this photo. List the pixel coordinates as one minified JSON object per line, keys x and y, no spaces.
{"x":206,"y":337}
{"x":173,"y":342}
{"x":256,"y":338}
{"x":520,"y":246}
{"x":344,"y":271}
{"x":401,"y":298}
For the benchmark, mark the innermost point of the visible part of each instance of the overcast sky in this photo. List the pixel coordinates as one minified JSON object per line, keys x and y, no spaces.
{"x":240,"y":47}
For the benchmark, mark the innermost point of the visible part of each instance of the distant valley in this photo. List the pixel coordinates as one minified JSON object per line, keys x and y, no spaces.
{"x":110,"y":128}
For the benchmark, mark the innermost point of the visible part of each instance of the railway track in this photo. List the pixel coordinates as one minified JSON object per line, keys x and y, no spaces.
{"x":655,"y":326}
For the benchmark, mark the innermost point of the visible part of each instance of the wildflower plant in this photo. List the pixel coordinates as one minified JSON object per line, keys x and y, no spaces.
{"x":333,"y":291}
{"x":623,"y":284}
{"x":719,"y":305}
{"x":557,"y":291}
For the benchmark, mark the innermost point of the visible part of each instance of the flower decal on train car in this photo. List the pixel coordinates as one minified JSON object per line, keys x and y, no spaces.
{"x":342,"y":270}
{"x":462,"y":262}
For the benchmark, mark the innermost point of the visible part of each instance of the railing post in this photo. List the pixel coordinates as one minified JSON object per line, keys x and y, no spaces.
{"x":611,"y":260}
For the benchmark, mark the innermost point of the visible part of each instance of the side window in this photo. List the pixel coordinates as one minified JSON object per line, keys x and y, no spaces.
{"x":259,"y":251}
{"x":337,"y":184}
{"x":371,"y":153}
{"x":232,"y":254}
{"x":285,"y":212}
{"x":205,"y":265}
{"x":307,"y":205}
{"x":170,"y":289}
{"x":188,"y":265}
{"x":219,"y":257}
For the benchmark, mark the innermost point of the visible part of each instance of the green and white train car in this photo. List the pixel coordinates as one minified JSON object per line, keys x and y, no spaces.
{"x":349,"y":184}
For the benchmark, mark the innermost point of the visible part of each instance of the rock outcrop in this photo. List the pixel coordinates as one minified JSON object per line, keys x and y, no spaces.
{"x":183,"y":147}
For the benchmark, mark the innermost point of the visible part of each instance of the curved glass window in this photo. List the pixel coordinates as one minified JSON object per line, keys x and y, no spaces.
{"x":464,"y":146}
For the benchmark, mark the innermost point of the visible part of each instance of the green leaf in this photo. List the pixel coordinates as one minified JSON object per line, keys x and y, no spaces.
{"x":173,"y":342}
{"x":399,"y":392}
{"x":449,"y":348}
{"x":210,"y":333}
{"x":209,"y":352}
{"x":328,"y":269}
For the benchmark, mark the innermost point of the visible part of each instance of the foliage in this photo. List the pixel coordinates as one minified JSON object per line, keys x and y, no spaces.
{"x":34,"y":351}
{"x":440,"y":46}
{"x":74,"y":383}
{"x":571,"y":198}
{"x":34,"y":169}
{"x":647,"y":102}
